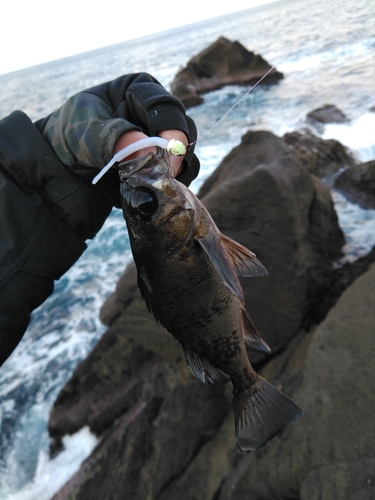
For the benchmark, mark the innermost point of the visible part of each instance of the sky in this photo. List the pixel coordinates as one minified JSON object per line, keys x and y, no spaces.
{"x":37,"y":31}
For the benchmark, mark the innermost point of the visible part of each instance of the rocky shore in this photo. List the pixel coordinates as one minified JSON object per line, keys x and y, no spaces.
{"x":163,"y":435}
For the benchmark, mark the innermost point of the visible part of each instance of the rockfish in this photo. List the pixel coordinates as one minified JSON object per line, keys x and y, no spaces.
{"x":188,"y":276}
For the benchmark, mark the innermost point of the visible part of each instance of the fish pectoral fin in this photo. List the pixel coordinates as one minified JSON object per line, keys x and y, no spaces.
{"x":260,"y":413}
{"x":223,"y":265}
{"x":244,"y":260}
{"x":203,"y":370}
{"x":251,"y":335}
{"x":151,"y":304}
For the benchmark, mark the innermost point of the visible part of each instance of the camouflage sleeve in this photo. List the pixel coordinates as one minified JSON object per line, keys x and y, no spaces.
{"x":86,"y":128}
{"x":83,"y":131}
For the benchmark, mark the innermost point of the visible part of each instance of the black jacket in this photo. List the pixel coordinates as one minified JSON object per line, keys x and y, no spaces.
{"x":49,"y":208}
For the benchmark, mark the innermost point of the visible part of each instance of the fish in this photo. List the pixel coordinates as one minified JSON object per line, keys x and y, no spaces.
{"x":188,"y":274}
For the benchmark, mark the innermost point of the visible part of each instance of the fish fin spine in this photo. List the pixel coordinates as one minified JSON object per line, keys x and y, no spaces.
{"x":251,"y":334}
{"x":261,"y":413}
{"x":219,"y":258}
{"x":244,"y":260}
{"x":203,"y":370}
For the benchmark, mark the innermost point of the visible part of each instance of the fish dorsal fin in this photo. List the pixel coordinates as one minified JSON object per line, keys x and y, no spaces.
{"x":219,"y":258}
{"x":244,"y":260}
{"x":203,"y":370}
{"x":251,"y":335}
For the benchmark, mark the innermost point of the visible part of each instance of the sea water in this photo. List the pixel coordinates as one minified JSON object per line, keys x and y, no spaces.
{"x":331,"y":64}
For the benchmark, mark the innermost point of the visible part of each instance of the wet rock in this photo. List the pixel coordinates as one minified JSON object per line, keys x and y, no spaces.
{"x":262,"y":197}
{"x":320,"y":157}
{"x":350,"y":481}
{"x":135,"y":391}
{"x":357,"y":183}
{"x":329,"y":453}
{"x":222,"y":63}
{"x":343,"y":277}
{"x":328,"y":113}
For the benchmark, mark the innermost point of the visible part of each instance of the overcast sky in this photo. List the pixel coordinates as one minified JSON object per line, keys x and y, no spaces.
{"x":37,"y":31}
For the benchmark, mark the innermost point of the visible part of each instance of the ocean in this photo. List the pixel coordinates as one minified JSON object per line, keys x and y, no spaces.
{"x":324,"y":61}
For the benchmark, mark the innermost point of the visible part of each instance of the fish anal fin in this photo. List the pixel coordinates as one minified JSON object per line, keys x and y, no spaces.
{"x":204,"y":371}
{"x":261,"y":413}
{"x":244,"y":260}
{"x":251,"y":335}
{"x":218,"y":257}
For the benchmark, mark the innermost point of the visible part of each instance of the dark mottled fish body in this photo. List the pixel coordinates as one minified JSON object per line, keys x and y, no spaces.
{"x":188,"y":275}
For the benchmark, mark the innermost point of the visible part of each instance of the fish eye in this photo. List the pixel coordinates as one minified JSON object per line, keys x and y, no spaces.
{"x":144,"y":202}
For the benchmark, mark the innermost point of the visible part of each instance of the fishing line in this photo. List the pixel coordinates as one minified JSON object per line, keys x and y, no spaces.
{"x":176,"y":147}
{"x":262,"y":78}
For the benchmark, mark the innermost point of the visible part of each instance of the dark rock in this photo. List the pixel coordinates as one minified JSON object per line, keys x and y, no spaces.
{"x":164,"y":435}
{"x":136,"y":392}
{"x":262,"y":197}
{"x":126,"y":289}
{"x":357,"y":183}
{"x":319,"y":156}
{"x":343,"y":277}
{"x":222,"y":63}
{"x":352,"y":481}
{"x":325,"y":114}
{"x":329,"y":453}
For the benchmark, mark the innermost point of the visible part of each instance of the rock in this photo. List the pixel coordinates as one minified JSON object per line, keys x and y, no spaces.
{"x":325,"y":114}
{"x":329,"y":453}
{"x":262,"y":197}
{"x":116,"y":304}
{"x":222,"y":63}
{"x":343,"y":277}
{"x":357,"y":183}
{"x":162,"y":433}
{"x":319,"y":156}
{"x":350,"y":481}
{"x":135,"y":391}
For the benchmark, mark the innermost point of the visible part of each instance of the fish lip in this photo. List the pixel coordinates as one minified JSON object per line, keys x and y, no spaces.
{"x":131,"y":167}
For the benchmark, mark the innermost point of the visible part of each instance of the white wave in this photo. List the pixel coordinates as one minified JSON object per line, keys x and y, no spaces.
{"x":52,"y":474}
{"x":336,"y":56}
{"x":358,"y":225}
{"x":358,"y":135}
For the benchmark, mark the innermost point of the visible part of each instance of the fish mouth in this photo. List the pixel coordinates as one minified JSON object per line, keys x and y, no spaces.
{"x":150,"y":167}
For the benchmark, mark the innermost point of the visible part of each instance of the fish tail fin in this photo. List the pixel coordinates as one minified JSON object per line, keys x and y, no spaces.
{"x":260,"y":413}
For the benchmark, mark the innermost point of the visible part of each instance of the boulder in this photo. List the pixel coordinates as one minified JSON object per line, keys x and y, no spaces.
{"x":135,"y":391}
{"x":321,"y":157}
{"x":162,"y":433}
{"x":261,"y":196}
{"x":222,"y":63}
{"x":329,"y":453}
{"x":357,"y":183}
{"x":328,"y":113}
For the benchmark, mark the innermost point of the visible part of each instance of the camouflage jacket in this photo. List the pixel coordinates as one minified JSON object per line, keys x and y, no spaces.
{"x":48,"y":206}
{"x":85,"y":129}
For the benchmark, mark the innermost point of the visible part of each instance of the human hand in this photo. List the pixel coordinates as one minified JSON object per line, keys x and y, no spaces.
{"x":134,"y":135}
